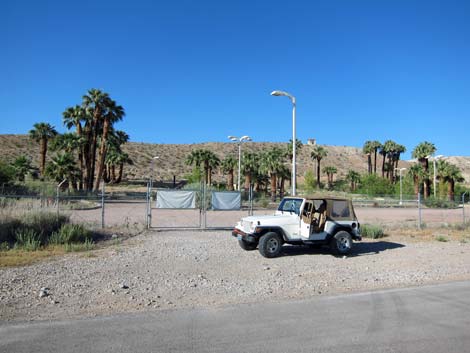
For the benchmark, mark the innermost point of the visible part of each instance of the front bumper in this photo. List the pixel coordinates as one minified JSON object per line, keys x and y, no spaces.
{"x":241,"y":235}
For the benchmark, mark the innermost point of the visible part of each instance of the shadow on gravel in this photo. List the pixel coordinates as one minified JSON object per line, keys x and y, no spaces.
{"x":359,"y":249}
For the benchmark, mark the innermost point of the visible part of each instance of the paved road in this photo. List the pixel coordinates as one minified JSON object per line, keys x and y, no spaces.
{"x":432,"y":319}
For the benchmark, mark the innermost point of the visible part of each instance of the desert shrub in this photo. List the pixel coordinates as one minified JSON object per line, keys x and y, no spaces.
{"x":442,"y":238}
{"x":372,"y":231}
{"x":27,"y":239}
{"x":435,"y":202}
{"x":44,"y":223}
{"x":70,"y":233}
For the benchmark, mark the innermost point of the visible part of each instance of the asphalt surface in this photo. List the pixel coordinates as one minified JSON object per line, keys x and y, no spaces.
{"x":427,"y":319}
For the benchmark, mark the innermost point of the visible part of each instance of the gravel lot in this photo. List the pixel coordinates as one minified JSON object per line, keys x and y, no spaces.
{"x":176,"y":269}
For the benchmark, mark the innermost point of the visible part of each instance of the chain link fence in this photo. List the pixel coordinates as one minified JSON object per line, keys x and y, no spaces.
{"x":132,"y":211}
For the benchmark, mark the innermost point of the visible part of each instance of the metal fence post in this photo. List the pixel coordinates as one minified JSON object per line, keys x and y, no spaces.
{"x":419,"y":211}
{"x":463,"y":206}
{"x":147,"y":208}
{"x":102,"y":205}
{"x":250,"y":212}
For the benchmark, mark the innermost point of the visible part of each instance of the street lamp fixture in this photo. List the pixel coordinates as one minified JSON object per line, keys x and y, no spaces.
{"x":239,"y":141}
{"x":294,"y":140}
{"x":151,"y":170}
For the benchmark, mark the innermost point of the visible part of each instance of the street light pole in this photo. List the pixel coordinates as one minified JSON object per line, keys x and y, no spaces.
{"x":434,"y":159}
{"x":294,"y":139}
{"x":401,"y":184}
{"x":239,"y":141}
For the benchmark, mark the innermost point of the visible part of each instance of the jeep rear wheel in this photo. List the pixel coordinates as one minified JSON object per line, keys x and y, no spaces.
{"x":341,"y":244}
{"x":270,"y":245}
{"x":246,"y":246}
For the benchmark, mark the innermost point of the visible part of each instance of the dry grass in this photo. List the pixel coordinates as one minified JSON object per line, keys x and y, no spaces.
{"x":18,"y":257}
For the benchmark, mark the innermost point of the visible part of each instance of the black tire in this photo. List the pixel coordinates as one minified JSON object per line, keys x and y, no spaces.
{"x":341,"y":244}
{"x":270,"y":245}
{"x":247,"y":246}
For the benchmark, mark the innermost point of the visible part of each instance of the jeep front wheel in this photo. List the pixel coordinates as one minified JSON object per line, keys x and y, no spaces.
{"x":246,"y":246}
{"x":270,"y":245}
{"x":341,"y":244}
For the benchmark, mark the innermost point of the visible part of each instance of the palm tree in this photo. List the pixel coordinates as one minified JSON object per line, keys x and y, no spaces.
{"x":367,"y":149}
{"x":250,"y":166}
{"x":42,"y":133}
{"x":375,"y":146}
{"x":398,"y":150}
{"x":318,"y":154}
{"x":330,"y":171}
{"x":416,"y":172}
{"x":386,"y":151}
{"x":450,"y":174}
{"x":283,"y":174}
{"x":22,"y":166}
{"x":62,"y":167}
{"x":76,"y":116}
{"x":205,"y":158}
{"x":113,"y":114}
{"x":95,"y":104}
{"x":422,"y":152}
{"x":229,"y":164}
{"x":271,"y":163}
{"x":289,"y":151}
{"x":353,"y":177}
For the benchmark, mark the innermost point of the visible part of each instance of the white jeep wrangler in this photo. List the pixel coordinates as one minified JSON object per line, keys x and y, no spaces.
{"x":314,"y":221}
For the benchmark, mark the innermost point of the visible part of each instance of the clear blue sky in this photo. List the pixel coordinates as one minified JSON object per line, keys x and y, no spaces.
{"x":197,"y":71}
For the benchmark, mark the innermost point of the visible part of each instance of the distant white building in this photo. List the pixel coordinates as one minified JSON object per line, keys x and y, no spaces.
{"x":311,"y":142}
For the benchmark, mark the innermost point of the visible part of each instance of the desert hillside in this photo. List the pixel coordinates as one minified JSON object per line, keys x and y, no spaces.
{"x":172,"y":157}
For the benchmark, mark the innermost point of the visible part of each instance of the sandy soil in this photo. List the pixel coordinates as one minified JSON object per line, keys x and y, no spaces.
{"x":178,"y":269}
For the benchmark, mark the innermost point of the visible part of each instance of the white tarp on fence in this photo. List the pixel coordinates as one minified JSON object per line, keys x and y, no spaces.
{"x":176,"y":199}
{"x":226,"y":200}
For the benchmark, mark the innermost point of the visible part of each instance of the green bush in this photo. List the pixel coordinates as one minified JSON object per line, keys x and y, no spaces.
{"x":373,"y":185}
{"x":85,"y":246}
{"x":44,"y":223}
{"x":27,"y":239}
{"x":372,"y":231}
{"x":69,"y":234}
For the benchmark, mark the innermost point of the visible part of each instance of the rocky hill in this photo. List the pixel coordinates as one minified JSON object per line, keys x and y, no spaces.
{"x":172,"y":157}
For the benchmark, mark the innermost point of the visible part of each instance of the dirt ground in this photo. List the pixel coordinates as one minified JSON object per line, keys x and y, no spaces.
{"x":170,"y":269}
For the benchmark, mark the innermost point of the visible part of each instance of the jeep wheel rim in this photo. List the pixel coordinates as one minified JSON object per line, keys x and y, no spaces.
{"x":273,"y":244}
{"x":343,"y":244}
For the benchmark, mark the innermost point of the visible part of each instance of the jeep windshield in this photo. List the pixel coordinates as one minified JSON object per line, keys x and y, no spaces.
{"x":290,"y":205}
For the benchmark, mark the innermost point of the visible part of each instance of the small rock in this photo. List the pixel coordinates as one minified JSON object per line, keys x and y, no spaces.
{"x":43,"y":292}
{"x":266,"y":268}
{"x":124,"y":286}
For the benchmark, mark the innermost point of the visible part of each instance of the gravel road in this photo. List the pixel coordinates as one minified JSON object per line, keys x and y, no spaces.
{"x":176,"y":269}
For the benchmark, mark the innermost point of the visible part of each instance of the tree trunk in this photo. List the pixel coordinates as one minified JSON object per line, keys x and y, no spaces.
{"x":230,"y":180}
{"x":247,"y":181}
{"x":451,"y":188}
{"x":113,"y":173}
{"x":43,"y":152}
{"x":375,"y":162}
{"x":369,"y":164}
{"x":121,"y":168}
{"x":273,"y":187}
{"x":209,"y":176}
{"x":416,"y":186}
{"x":102,"y":156}
{"x":383,"y":167}
{"x":318,"y":173}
